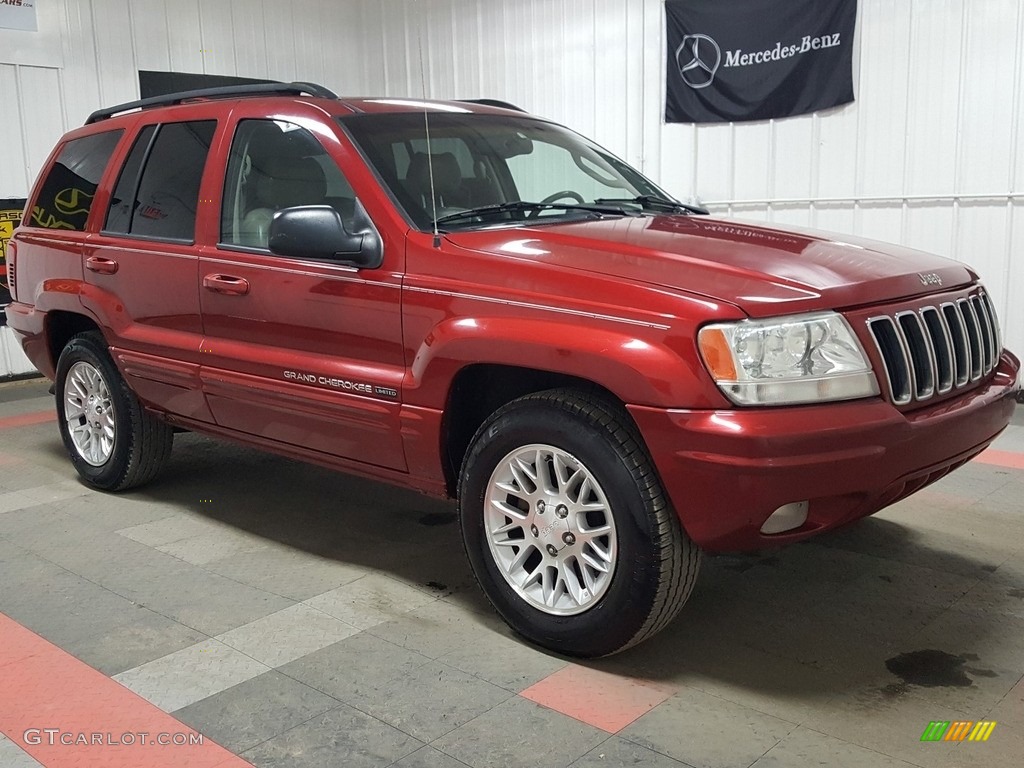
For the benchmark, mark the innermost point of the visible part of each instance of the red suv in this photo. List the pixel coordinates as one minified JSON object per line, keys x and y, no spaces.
{"x":480,"y":304}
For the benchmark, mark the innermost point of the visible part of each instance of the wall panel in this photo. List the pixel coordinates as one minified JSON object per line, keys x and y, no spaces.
{"x":931,"y":153}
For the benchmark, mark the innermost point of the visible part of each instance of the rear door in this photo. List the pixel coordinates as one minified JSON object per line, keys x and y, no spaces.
{"x":142,"y":265}
{"x":298,"y":351}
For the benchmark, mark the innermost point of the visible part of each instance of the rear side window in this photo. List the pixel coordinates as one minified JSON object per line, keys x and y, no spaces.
{"x":157,"y":192}
{"x":66,"y":195}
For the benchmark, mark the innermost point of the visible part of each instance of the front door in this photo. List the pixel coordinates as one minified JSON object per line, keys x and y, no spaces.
{"x":298,"y":351}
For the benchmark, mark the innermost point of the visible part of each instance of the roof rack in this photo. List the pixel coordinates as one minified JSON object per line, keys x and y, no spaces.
{"x":221,"y":92}
{"x":493,"y":103}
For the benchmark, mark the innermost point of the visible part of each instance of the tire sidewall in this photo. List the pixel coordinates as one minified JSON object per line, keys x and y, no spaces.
{"x":618,"y":615}
{"x":87,"y":349}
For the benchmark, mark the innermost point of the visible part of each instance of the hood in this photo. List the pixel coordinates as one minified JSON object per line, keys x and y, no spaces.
{"x":763,"y":270}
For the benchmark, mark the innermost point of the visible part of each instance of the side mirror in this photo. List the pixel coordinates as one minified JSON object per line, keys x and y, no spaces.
{"x":318,"y":232}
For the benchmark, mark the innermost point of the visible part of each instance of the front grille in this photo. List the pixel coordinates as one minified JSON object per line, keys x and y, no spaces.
{"x":934,"y":350}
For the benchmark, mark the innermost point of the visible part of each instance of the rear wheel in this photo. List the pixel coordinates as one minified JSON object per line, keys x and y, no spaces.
{"x":112,"y":441}
{"x":567,"y":528}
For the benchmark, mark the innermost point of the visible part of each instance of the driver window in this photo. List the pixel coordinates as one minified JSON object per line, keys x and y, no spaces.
{"x":273,"y":165}
{"x":549,"y":169}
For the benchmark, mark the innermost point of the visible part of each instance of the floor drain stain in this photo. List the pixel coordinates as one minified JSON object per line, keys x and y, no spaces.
{"x":935,"y":669}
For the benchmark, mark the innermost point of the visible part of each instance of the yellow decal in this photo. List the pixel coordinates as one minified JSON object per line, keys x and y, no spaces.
{"x":72,"y":201}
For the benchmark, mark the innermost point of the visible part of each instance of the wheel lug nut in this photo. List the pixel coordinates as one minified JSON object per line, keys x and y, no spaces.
{"x":551,"y":550}
{"x":541,"y":506}
{"x":568,"y":538}
{"x":562,"y":511}
{"x":534,"y":531}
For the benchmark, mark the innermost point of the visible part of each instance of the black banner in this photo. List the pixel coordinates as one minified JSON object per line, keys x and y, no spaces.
{"x":757,"y":59}
{"x":153,"y":83}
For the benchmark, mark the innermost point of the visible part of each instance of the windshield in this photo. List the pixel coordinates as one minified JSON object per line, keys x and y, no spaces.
{"x":498,"y":164}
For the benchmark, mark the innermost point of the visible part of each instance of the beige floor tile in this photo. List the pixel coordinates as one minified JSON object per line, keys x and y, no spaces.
{"x":191,"y":674}
{"x":287,"y":635}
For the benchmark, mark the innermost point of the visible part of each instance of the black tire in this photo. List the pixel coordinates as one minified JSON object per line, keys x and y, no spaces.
{"x":656,"y":565}
{"x":141,"y":441}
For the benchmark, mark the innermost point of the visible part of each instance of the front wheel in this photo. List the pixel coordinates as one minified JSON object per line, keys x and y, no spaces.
{"x":112,"y":441}
{"x":567,"y":528}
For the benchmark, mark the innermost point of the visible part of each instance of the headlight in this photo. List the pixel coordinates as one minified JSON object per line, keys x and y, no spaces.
{"x":787,"y":360}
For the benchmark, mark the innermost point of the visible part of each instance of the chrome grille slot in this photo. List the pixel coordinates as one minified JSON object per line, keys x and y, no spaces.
{"x":935,"y":350}
{"x":942,"y":346}
{"x":890,"y":347}
{"x":987,"y":335}
{"x":921,"y":367}
{"x":961,"y":349}
{"x":996,"y":332}
{"x":973,"y":337}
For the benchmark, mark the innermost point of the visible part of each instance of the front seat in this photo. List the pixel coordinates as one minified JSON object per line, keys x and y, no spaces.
{"x":447,"y":181}
{"x":282,"y":182}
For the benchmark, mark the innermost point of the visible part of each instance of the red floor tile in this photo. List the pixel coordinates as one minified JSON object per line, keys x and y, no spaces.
{"x":44,"y":688}
{"x":27,"y":419}
{"x":1009,"y":459}
{"x":600,"y":699}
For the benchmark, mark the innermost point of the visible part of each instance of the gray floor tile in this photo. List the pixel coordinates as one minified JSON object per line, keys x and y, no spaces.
{"x":207,"y":548}
{"x":340,"y":737}
{"x":883,"y":723}
{"x":370,"y":600}
{"x":805,"y":748}
{"x":504,"y":659}
{"x":619,"y":752}
{"x":430,"y":701}
{"x":175,"y":528}
{"x":354,"y":665}
{"x":112,"y":512}
{"x":13,"y":756}
{"x":520,"y":734}
{"x":252,"y":712}
{"x":148,"y":637}
{"x":428,"y":757}
{"x":191,"y":674}
{"x":287,"y":634}
{"x":704,"y":730}
{"x":59,"y":605}
{"x":436,"y":628}
{"x":287,"y":572}
{"x":11,"y":501}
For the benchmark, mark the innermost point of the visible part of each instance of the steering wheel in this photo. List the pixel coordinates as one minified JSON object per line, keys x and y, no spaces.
{"x":557,"y":196}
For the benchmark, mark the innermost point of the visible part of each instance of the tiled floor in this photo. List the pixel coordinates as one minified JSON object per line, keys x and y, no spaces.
{"x":298,"y":618}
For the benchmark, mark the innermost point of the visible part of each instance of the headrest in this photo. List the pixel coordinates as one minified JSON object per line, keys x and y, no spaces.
{"x":288,"y":181}
{"x":447,"y":174}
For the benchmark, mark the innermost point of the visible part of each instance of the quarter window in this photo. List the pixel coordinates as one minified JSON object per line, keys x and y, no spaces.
{"x":157,"y":193}
{"x":66,"y":195}
{"x":273,"y":165}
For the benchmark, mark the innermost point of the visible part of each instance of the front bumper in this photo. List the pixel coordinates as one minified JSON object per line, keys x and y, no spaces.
{"x":726,"y":472}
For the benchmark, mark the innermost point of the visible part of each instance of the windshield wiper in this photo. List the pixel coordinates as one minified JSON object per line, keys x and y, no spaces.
{"x":656,"y":202}
{"x":522,"y":206}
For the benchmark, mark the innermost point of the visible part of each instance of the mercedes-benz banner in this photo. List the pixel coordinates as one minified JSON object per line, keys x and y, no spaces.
{"x":757,"y":59}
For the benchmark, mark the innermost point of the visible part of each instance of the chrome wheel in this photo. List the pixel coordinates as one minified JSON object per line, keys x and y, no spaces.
{"x":89,"y":413}
{"x":550,"y":529}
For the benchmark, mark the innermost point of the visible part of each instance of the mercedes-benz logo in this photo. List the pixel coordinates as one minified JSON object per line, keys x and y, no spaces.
{"x":698,"y":57}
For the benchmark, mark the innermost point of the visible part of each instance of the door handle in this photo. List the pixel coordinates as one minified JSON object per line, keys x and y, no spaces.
{"x":101,"y":265}
{"x":226,"y":284}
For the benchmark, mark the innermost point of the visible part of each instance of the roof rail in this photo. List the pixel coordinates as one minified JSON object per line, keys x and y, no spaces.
{"x":221,"y":92}
{"x":493,"y":103}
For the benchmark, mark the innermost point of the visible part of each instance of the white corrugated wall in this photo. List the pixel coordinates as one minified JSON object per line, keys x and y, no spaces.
{"x":930,"y":154}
